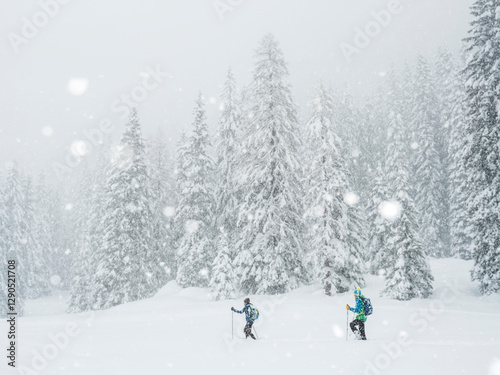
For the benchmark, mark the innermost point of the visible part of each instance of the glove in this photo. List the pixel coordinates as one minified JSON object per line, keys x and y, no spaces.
{"x":348,"y":307}
{"x":232,"y":308}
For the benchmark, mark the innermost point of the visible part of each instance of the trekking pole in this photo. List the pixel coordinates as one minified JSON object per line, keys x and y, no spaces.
{"x":347,"y":325}
{"x":232,"y":325}
{"x":255,"y":332}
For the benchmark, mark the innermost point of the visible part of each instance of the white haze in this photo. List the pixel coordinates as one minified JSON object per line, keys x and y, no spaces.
{"x":65,"y":80}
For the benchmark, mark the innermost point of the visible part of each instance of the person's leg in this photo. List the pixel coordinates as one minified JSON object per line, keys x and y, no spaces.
{"x":362,"y":330}
{"x":355,"y":328}
{"x":250,"y":324}
{"x":247,"y":329}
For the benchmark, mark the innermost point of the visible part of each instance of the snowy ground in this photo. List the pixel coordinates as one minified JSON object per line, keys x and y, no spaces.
{"x":183,"y":332}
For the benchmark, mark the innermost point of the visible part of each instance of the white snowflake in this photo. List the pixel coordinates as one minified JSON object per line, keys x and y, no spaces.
{"x":351,"y":198}
{"x":79,"y":148}
{"x":78,"y":86}
{"x":390,"y":210}
{"x":47,"y":131}
{"x":192,"y":226}
{"x":55,"y":280}
{"x":169,"y":211}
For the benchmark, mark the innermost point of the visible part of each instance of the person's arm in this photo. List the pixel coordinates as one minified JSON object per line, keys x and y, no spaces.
{"x":237,"y":311}
{"x":358,"y":307}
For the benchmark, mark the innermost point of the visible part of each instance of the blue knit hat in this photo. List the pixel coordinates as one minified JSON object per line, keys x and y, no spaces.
{"x":357,"y":292}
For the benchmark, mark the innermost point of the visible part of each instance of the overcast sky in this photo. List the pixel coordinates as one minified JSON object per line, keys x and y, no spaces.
{"x":70,"y":76}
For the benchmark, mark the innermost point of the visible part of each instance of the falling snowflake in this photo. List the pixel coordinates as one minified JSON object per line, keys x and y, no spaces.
{"x":390,"y":210}
{"x":55,"y":280}
{"x":351,"y":198}
{"x":414,"y":145}
{"x":337,"y":331}
{"x":328,"y":197}
{"x":192,"y":226}
{"x":47,"y":131}
{"x":68,"y":207}
{"x":169,"y":211}
{"x":79,"y":148}
{"x":204,"y":272}
{"x":78,"y":86}
{"x":317,"y":211}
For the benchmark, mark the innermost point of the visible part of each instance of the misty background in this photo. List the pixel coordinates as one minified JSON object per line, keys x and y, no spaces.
{"x":110,"y":45}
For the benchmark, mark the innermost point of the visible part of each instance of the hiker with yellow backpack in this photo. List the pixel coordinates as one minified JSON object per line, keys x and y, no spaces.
{"x":251,"y":315}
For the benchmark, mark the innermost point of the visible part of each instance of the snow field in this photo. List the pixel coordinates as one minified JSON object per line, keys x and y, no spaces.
{"x":181,"y":331}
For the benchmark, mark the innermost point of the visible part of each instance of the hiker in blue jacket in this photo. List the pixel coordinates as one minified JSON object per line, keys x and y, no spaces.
{"x":358,"y":324}
{"x":248,"y":317}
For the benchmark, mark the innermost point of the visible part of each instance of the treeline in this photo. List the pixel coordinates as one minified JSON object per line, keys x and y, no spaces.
{"x":33,"y":234}
{"x":266,"y":204}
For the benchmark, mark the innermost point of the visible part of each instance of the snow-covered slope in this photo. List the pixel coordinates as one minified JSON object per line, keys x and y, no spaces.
{"x":181,"y":331}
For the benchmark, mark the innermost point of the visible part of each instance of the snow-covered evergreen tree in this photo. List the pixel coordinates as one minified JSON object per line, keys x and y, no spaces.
{"x":37,"y":282}
{"x":223,"y":278}
{"x":378,"y":255}
{"x":270,"y":247}
{"x":226,"y":162}
{"x":83,"y":270}
{"x":15,"y":233}
{"x":445,"y":78}
{"x":127,"y":266}
{"x":43,"y":233}
{"x":196,"y":252}
{"x":408,"y":275}
{"x":356,"y":242}
{"x":161,"y":166}
{"x":482,"y":153}
{"x":180,"y":183}
{"x":226,"y":196}
{"x":326,"y":215}
{"x":428,"y":179}
{"x":460,"y":225}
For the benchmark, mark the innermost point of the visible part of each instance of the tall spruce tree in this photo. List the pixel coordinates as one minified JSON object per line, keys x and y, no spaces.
{"x":430,"y":194}
{"x":37,"y":282}
{"x":377,"y":251}
{"x":339,"y":268}
{"x":408,"y":275}
{"x":82,"y":259}
{"x":226,"y":196}
{"x":482,"y":153}
{"x":446,"y":85}
{"x":196,"y":205}
{"x":326,"y":186}
{"x":15,"y":233}
{"x":127,"y":265}
{"x":44,"y":233}
{"x":161,"y":166}
{"x":460,"y":227}
{"x":270,"y":247}
{"x":223,"y":278}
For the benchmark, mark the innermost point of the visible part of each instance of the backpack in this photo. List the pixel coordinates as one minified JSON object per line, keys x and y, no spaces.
{"x":367,"y":306}
{"x":254,"y":313}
